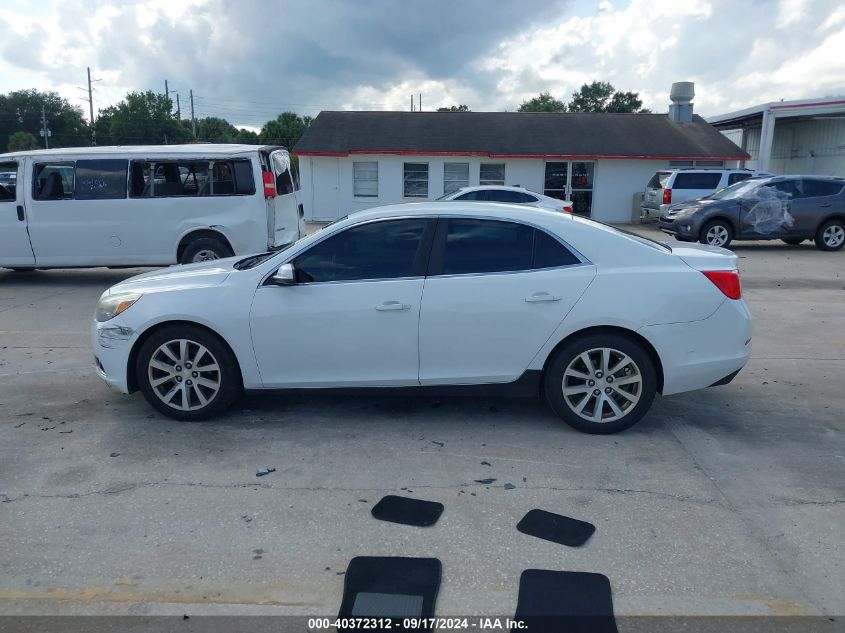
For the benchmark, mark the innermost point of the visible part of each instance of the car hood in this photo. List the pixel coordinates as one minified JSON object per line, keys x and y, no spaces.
{"x":203,"y":274}
{"x":704,"y":257}
{"x":689,"y":205}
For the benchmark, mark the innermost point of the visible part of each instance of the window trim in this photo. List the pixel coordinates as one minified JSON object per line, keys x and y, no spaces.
{"x":210,"y":161}
{"x":435,"y":262}
{"x":376,"y":194}
{"x":427,"y":180}
{"x":35,"y":173}
{"x":126,"y":181}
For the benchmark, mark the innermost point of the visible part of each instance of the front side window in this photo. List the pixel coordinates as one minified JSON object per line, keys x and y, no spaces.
{"x":415,"y":180}
{"x":455,"y":176}
{"x":492,"y":174}
{"x":379,"y":250}
{"x":53,"y":181}
{"x":365,"y":179}
{"x":100,"y":179}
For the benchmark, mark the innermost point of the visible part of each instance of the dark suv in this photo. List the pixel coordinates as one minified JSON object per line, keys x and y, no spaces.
{"x":789,"y":208}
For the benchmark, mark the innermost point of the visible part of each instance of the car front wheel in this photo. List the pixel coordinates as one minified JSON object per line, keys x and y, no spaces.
{"x":831,"y":235}
{"x":601,"y":384}
{"x":187,"y":373}
{"x":716,"y":233}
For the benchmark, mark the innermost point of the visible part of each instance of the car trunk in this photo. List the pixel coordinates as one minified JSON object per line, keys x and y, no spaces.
{"x":704,"y":257}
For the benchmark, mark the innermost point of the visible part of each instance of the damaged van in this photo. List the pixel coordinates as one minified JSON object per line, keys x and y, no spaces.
{"x":146,"y":205}
{"x":788,"y":208}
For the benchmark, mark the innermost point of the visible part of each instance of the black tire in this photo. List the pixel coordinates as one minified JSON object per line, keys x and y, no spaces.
{"x":794,"y":241}
{"x":642,"y":366}
{"x":205,"y":249}
{"x":228,"y":374}
{"x":716,"y":225}
{"x":823,"y":239}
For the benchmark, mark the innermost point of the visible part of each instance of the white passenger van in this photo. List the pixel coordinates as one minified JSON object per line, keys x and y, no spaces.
{"x":138,"y":206}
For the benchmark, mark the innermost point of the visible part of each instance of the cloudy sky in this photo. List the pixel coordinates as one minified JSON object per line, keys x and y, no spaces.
{"x":247,"y":60}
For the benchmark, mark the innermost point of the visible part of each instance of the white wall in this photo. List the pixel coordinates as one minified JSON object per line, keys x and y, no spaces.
{"x":615,"y":182}
{"x":802,"y":146}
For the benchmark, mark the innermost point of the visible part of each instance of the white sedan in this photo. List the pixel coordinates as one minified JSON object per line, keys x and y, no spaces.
{"x":435,"y":294}
{"x":507,"y":195}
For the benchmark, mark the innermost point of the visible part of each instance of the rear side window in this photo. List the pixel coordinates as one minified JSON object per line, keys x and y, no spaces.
{"x":821,"y":188}
{"x":53,"y":181}
{"x":164,"y":179}
{"x":379,"y":250}
{"x":659,"y":180}
{"x":490,"y":246}
{"x":737,"y":177}
{"x":697,"y":180}
{"x":103,"y":179}
{"x":505,"y":195}
{"x":470,"y":195}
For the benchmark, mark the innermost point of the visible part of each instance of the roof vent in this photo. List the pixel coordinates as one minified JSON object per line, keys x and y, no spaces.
{"x":681,"y":95}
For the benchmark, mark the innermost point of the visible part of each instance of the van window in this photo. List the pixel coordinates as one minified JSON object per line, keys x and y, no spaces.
{"x":165,"y":179}
{"x":53,"y":181}
{"x":8,"y":181}
{"x":103,"y":179}
{"x":697,"y":180}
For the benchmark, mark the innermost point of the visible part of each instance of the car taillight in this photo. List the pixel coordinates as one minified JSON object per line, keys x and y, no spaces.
{"x":269,"y":184}
{"x":667,"y":196}
{"x":727,"y":281}
{"x":567,"y":208}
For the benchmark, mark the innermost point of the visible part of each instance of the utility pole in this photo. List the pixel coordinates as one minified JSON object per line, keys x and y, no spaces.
{"x":166,"y":91}
{"x":193,"y":120}
{"x":420,"y":108}
{"x":44,"y":131}
{"x":178,"y":109}
{"x":412,"y":103}
{"x":91,"y":108}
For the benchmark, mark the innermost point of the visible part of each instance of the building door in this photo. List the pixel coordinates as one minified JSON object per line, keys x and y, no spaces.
{"x":325,"y":175}
{"x":571,"y":180}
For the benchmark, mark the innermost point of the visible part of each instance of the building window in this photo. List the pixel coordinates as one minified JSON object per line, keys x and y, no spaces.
{"x":492,"y":174}
{"x":415,"y":180}
{"x":675,"y":164}
{"x":455,"y":176}
{"x":709,"y":163}
{"x":365,"y":179}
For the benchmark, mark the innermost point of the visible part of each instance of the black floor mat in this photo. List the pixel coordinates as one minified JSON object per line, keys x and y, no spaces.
{"x":408,"y":511}
{"x":556,"y":528}
{"x":565,"y":601}
{"x":390,"y":587}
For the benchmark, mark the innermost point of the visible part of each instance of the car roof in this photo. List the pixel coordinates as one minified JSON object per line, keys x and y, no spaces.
{"x":497,"y":187}
{"x":493,"y":210}
{"x":204,"y":149}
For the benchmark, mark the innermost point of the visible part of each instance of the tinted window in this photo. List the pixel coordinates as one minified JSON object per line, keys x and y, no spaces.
{"x":513,"y":197}
{"x":659,"y":180}
{"x":380,"y":250}
{"x":697,"y":180}
{"x":735,"y":178}
{"x":163,"y":179}
{"x":415,"y":180}
{"x":8,"y":178}
{"x":103,"y":179}
{"x":549,"y":253}
{"x":53,"y":181}
{"x":789,"y":187}
{"x":470,"y":195}
{"x":485,"y":246}
{"x":819,"y":188}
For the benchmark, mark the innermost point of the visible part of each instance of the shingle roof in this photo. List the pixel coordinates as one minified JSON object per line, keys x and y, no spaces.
{"x":515,"y":134}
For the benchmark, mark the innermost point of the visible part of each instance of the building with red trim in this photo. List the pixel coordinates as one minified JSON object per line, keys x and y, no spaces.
{"x":354,"y":160}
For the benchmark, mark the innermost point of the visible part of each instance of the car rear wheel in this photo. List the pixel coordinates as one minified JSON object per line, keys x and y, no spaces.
{"x":187,"y":373}
{"x":601,"y":384}
{"x":794,"y":241}
{"x":205,"y":249}
{"x":831,"y":235}
{"x":716,"y":233}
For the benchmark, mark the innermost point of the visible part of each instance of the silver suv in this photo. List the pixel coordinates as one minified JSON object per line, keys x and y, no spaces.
{"x":671,"y":186}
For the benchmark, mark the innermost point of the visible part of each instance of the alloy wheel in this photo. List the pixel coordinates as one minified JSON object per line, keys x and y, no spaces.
{"x":205,"y":255}
{"x":184,"y":374}
{"x":833,"y":236}
{"x":602,"y":385}
{"x":717,"y":235}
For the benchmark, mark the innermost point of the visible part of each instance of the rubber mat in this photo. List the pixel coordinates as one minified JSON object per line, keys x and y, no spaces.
{"x":556,"y":528}
{"x":390,"y":587}
{"x":565,"y":601}
{"x":407,"y":511}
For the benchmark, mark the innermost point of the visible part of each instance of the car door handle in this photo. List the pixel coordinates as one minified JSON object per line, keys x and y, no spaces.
{"x":393,"y":305}
{"x":537,"y":297}
{"x":21,"y":216}
{"x":825,"y":205}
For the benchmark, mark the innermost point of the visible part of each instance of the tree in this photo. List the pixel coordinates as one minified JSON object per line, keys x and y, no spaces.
{"x":247,"y":137}
{"x":215,"y":130}
{"x":286,"y":129}
{"x":600,"y":96}
{"x":544,"y":102}
{"x":142,"y":118}
{"x":20,"y":111}
{"x":22,"y":141}
{"x":455,"y":108}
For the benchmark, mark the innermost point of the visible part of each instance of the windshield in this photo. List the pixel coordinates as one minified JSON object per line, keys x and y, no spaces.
{"x":446,"y":196}
{"x":739,"y":190}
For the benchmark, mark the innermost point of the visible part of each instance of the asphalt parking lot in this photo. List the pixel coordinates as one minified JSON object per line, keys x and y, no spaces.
{"x":722,"y":501}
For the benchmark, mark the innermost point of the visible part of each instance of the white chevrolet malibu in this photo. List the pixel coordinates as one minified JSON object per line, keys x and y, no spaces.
{"x":433,"y":295}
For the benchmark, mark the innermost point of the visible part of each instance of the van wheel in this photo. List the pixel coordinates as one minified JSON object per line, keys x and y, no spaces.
{"x":205,"y":249}
{"x":831,"y":235}
{"x":716,"y":233}
{"x":187,"y":373}
{"x":794,"y":241}
{"x":601,"y":384}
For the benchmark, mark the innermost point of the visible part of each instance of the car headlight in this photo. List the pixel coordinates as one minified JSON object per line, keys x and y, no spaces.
{"x":112,"y":305}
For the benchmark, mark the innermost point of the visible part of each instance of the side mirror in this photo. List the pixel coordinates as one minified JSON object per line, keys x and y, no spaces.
{"x":285,"y":276}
